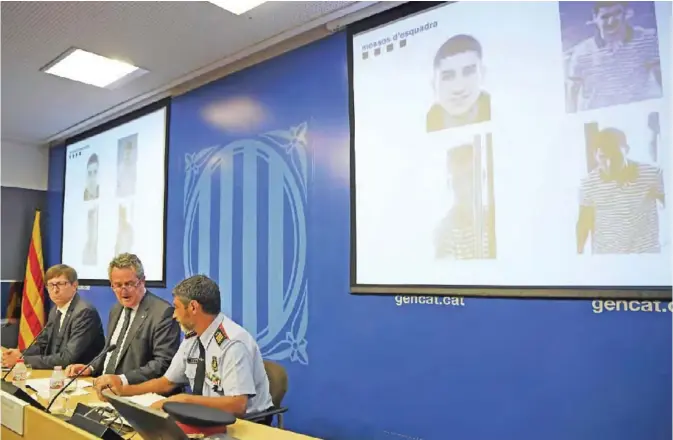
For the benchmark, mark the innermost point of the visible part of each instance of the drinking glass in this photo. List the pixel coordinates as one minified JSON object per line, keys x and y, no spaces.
{"x":73,"y":386}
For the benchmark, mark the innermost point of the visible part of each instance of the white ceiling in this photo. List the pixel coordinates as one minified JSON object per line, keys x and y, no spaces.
{"x":170,"y":39}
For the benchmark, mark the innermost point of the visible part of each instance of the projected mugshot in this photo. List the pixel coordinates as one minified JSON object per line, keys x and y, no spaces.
{"x":90,"y":252}
{"x":127,"y":159}
{"x":124,"y":230}
{"x":91,"y":189}
{"x":467,"y":231}
{"x":620,"y":198}
{"x":457,"y":83}
{"x":611,"y":53}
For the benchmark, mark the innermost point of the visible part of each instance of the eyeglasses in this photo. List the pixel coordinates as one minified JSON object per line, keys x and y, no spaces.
{"x":60,"y":285}
{"x":125,"y":286}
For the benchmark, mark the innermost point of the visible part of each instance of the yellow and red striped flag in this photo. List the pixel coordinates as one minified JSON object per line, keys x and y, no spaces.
{"x":32,"y":303}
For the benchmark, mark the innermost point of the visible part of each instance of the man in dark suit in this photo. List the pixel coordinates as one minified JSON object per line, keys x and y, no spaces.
{"x":73,"y":332}
{"x":141,"y":325}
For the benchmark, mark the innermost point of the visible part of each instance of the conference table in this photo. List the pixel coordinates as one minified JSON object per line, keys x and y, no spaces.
{"x":38,"y":425}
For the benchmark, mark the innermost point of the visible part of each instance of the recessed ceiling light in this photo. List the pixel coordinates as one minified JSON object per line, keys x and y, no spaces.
{"x":238,"y":7}
{"x":89,"y":68}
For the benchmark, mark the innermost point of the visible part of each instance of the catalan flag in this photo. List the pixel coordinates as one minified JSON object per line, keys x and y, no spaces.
{"x":32,"y":303}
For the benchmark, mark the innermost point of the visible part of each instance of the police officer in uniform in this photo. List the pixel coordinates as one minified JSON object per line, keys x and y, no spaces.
{"x":219,"y":359}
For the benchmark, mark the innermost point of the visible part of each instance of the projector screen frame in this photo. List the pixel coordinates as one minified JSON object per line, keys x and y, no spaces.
{"x":532,"y":292}
{"x":164,"y":104}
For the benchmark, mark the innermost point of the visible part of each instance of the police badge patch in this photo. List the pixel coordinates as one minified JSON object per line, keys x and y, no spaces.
{"x":213,"y":364}
{"x":215,"y":381}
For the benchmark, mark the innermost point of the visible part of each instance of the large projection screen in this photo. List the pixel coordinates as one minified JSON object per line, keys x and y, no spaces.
{"x":512,"y":149}
{"x":115,"y":195}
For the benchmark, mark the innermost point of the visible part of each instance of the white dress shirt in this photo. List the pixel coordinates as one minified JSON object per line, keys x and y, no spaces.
{"x":63,"y":310}
{"x":121,"y":338}
{"x":234,"y":364}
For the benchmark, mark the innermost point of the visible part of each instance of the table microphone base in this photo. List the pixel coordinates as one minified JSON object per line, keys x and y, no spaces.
{"x":92,"y":427}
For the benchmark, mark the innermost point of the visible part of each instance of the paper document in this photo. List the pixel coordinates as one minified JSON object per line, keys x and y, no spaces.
{"x":146,"y":399}
{"x":42,"y":387}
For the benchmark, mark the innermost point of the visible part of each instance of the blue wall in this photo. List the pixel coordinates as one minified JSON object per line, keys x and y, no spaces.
{"x":17,"y":217}
{"x":261,"y":204}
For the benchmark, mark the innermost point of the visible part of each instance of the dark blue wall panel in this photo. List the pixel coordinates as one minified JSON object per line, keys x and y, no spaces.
{"x":258,"y":198}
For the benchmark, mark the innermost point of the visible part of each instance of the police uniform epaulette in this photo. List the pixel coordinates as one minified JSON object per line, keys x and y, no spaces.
{"x":220,"y":335}
{"x":190,"y":334}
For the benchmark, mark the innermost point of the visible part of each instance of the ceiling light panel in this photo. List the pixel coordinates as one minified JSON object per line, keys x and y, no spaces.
{"x":238,"y":7}
{"x":90,"y":68}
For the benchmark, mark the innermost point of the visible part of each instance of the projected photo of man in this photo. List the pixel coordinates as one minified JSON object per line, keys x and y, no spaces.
{"x":124,"y":231}
{"x":467,"y":232}
{"x":458,"y":85}
{"x":611,"y":53}
{"x":127,"y":159}
{"x":619,"y":199}
{"x":90,"y":253}
{"x":91,"y":189}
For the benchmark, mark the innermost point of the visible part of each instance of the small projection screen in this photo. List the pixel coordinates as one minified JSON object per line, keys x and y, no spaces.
{"x":115,"y":195}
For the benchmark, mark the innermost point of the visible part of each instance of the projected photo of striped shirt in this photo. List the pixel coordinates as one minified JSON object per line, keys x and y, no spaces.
{"x":467,"y":231}
{"x":626,"y":218}
{"x":462,"y":238}
{"x":616,"y":76}
{"x":611,"y":52}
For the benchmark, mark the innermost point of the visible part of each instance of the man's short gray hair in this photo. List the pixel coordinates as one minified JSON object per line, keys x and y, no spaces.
{"x":201,"y":289}
{"x":127,"y":261}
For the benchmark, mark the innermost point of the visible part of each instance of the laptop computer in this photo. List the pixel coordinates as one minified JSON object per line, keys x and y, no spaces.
{"x":149,"y":423}
{"x":152,"y":424}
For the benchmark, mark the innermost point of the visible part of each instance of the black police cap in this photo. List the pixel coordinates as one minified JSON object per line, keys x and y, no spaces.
{"x":198,"y":415}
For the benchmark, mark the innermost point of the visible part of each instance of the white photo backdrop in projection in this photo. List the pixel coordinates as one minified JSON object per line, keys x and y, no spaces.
{"x":114,"y":197}
{"x":534,"y":152}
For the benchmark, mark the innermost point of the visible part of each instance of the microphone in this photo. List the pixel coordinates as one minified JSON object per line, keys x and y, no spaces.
{"x":102,"y":353}
{"x":4,"y":378}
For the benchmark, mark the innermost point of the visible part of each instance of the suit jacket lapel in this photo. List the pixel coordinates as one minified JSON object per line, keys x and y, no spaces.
{"x":66,"y":322}
{"x":138,"y":321}
{"x":68,"y":315}
{"x":115,"y":314}
{"x":52,"y":322}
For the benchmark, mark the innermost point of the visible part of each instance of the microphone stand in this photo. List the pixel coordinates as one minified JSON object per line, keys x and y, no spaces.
{"x":102,"y":353}
{"x":95,"y":427}
{"x":4,"y":378}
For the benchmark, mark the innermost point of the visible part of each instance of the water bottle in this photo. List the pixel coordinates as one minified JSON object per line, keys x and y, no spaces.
{"x":56,"y":383}
{"x":20,"y":374}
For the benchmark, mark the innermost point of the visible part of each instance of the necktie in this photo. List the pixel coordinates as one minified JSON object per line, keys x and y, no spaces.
{"x":200,"y":377}
{"x":55,"y":333}
{"x":112,"y":363}
{"x":59,"y":315}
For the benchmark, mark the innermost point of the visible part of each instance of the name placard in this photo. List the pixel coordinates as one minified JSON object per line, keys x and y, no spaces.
{"x":12,"y":412}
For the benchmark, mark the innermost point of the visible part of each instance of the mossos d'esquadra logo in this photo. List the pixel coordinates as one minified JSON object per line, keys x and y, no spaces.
{"x":245,"y":227}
